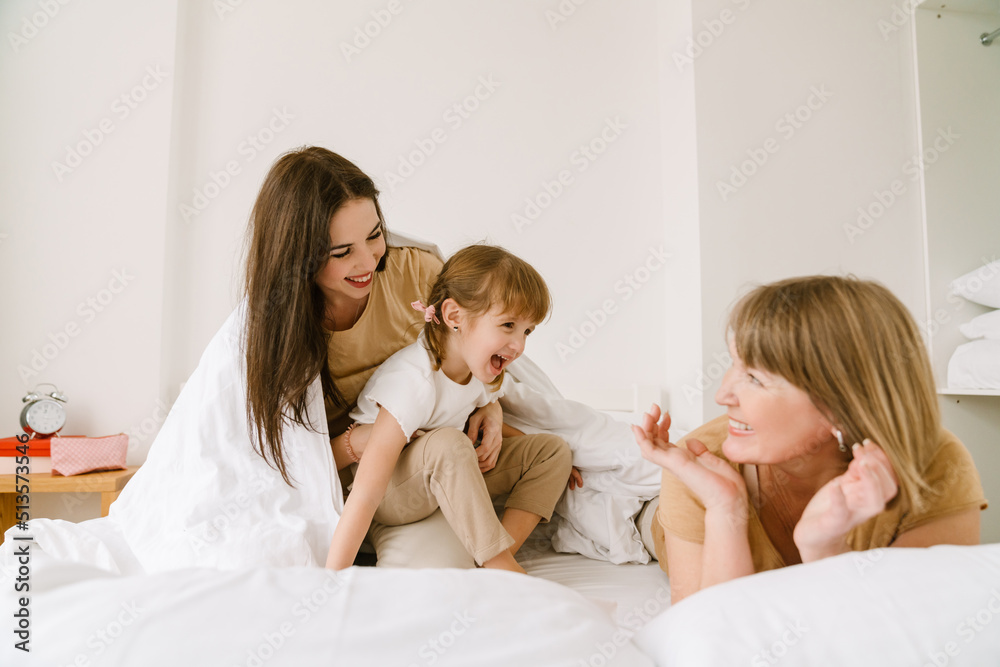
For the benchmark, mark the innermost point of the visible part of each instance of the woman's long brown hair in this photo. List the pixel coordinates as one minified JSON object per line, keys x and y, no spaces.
{"x":289,"y":243}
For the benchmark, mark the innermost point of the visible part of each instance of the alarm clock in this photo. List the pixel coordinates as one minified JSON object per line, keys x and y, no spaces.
{"x":43,"y":414}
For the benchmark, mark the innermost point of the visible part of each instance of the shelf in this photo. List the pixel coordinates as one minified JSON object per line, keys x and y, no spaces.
{"x":947,"y":391}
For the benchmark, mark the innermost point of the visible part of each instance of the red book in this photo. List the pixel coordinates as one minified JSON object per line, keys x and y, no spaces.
{"x":36,"y":447}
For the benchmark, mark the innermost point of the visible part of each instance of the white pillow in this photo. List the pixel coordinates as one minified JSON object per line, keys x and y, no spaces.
{"x":981,"y":285}
{"x":975,"y":365}
{"x":984,"y":326}
{"x":887,"y":607}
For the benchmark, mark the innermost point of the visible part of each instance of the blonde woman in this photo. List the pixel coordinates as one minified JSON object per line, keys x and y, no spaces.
{"x":832,"y":442}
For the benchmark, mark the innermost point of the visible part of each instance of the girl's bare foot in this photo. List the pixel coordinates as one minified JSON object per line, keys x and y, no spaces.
{"x":504,"y":561}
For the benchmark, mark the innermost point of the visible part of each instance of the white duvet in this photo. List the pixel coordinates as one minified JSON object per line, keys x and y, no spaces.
{"x":302,"y":616}
{"x":204,"y":498}
{"x":597,"y":520}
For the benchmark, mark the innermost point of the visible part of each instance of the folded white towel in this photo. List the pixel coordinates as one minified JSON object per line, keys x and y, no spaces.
{"x":975,"y":365}
{"x":986,"y":325}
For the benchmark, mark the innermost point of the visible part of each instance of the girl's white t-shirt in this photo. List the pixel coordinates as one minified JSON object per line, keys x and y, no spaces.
{"x":419,"y":397}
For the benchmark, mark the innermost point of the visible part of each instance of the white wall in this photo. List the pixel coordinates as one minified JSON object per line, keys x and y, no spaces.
{"x":81,"y":246}
{"x":552,"y":90}
{"x":796,"y":213}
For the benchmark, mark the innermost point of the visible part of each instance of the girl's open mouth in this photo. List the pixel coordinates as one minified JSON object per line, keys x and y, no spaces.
{"x":497,"y":363}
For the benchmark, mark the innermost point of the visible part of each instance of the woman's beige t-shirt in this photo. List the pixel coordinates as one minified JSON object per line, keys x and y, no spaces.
{"x":387,"y":325}
{"x":951,"y":475}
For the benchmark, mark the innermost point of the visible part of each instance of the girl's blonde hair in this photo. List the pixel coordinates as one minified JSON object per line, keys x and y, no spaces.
{"x":481,"y":277}
{"x":855,"y":349}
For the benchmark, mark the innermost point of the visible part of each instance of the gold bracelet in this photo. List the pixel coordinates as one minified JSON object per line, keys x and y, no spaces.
{"x":347,"y":443}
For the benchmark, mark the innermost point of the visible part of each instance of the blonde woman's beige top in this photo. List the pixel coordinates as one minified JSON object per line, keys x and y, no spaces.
{"x":951,"y":475}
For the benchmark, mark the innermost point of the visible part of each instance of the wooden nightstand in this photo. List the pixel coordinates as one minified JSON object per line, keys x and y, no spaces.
{"x":108,"y":484}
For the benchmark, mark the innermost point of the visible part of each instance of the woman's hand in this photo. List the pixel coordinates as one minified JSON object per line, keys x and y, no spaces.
{"x":845,"y":502}
{"x":575,"y":479}
{"x":486,"y":424}
{"x":714,"y":481}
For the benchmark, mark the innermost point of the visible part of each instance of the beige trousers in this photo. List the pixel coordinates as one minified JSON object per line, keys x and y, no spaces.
{"x":440,"y":470}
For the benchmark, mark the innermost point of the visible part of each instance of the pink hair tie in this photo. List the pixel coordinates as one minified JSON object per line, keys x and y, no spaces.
{"x":428,"y":312}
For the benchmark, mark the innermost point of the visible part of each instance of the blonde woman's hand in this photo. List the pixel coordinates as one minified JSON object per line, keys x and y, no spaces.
{"x":845,"y":502}
{"x":713,"y":480}
{"x":486,"y":425}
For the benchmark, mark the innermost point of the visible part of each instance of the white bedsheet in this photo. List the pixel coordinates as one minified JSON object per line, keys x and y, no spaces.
{"x":632,"y":594}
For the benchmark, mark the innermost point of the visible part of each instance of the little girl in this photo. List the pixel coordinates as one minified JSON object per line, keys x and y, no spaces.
{"x":412,"y":411}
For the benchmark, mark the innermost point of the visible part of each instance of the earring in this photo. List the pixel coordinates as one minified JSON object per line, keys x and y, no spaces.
{"x":455,"y":328}
{"x":840,"y":440}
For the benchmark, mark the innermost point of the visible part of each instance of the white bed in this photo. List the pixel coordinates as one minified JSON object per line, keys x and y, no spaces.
{"x":174,"y":577}
{"x":300,"y":616}
{"x":887,"y":608}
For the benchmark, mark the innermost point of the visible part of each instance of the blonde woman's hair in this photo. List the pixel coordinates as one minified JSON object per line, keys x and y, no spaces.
{"x":856,"y":351}
{"x":481,"y":277}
